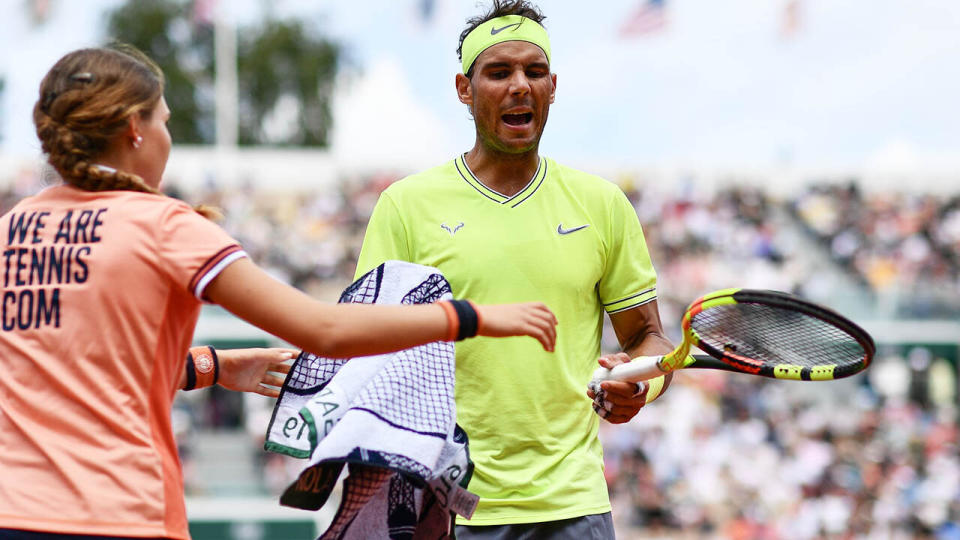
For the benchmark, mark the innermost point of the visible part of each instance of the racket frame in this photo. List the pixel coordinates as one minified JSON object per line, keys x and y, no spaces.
{"x":648,"y":367}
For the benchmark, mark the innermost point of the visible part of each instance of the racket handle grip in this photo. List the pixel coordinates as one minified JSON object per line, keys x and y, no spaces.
{"x":641,"y":368}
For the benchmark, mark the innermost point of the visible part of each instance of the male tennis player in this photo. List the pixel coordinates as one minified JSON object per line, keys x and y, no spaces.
{"x":505,"y":224}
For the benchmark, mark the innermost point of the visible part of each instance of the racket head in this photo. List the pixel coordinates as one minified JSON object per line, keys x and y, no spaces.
{"x":777,"y":335}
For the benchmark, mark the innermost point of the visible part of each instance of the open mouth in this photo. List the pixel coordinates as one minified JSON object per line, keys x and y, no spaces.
{"x":517,"y":119}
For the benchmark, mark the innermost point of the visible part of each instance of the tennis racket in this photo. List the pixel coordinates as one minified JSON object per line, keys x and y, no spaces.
{"x":767,"y":333}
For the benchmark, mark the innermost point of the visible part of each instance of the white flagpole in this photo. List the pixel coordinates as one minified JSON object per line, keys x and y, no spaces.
{"x":225,"y":89}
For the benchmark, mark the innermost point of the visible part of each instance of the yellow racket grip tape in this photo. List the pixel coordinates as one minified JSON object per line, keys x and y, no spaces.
{"x":655,"y":386}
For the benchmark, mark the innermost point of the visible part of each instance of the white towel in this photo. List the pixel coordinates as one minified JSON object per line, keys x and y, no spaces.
{"x":391,"y":417}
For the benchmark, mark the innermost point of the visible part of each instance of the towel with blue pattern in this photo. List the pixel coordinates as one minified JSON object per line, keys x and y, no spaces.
{"x":390,"y":418}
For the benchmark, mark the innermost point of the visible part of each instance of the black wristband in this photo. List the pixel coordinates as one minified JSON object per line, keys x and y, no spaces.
{"x":191,"y":373}
{"x":216,"y":366}
{"x":468,"y":319}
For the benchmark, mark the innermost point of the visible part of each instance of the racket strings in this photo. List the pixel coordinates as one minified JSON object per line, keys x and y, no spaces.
{"x":776,"y":336}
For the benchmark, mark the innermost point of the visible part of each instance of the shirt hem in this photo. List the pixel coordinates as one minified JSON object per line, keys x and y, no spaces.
{"x":533,"y":517}
{"x":617,"y":309}
{"x":89,"y":528}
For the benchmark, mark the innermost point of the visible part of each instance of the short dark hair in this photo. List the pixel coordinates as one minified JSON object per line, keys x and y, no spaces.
{"x":499,"y":8}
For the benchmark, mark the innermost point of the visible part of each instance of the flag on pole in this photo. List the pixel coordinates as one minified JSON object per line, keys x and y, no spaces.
{"x":39,"y":11}
{"x":790,"y":21}
{"x":204,"y":12}
{"x":426,"y":9}
{"x":650,"y":17}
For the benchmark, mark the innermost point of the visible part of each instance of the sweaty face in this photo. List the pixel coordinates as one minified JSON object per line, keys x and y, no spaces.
{"x":510,"y":95}
{"x":155,"y":149}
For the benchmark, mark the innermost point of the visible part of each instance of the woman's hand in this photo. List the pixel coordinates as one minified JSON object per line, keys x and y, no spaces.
{"x":532,"y":319}
{"x":261,"y":371}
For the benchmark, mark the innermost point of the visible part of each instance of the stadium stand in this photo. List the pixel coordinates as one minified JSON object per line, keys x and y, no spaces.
{"x":723,"y":456}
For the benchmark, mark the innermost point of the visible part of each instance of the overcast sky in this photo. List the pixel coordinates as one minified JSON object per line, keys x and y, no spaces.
{"x":862,"y":82}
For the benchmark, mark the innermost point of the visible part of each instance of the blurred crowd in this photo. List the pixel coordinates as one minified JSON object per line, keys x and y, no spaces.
{"x":310,"y":239}
{"x":701,"y":241}
{"x":721,"y":456}
{"x":904,"y":247}
{"x":731,"y":457}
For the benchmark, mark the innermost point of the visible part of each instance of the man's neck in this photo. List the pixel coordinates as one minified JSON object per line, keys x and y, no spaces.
{"x":502,"y":172}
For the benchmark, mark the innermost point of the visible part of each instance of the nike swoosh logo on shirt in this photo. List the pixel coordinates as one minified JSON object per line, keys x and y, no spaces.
{"x":561,"y":230}
{"x":495,"y":31}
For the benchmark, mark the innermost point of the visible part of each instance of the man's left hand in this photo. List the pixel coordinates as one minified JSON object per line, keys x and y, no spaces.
{"x":615,"y":401}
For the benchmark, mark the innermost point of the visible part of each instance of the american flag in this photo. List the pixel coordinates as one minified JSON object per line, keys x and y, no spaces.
{"x":426,"y":10}
{"x":650,"y":17}
{"x":39,"y":11}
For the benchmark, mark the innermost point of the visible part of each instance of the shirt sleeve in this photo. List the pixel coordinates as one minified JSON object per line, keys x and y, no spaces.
{"x":194,"y":250}
{"x":386,"y":237}
{"x":629,"y":279}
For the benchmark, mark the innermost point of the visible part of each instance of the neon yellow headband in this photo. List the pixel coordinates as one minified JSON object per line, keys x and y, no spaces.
{"x":506,"y":28}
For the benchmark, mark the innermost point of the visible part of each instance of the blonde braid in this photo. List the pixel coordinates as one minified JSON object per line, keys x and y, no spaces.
{"x":71,"y":152}
{"x":210,"y":212}
{"x":95,"y":178}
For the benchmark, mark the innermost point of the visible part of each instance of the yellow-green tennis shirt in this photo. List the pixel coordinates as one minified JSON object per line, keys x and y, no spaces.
{"x":568,"y":239}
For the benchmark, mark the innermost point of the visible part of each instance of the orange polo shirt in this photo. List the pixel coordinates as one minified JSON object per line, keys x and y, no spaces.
{"x":101,"y":294}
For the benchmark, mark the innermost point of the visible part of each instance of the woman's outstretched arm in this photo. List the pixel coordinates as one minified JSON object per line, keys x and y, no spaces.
{"x":347,"y":330}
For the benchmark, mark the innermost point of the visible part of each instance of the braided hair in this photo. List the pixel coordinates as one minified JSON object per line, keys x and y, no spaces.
{"x":85,"y":102}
